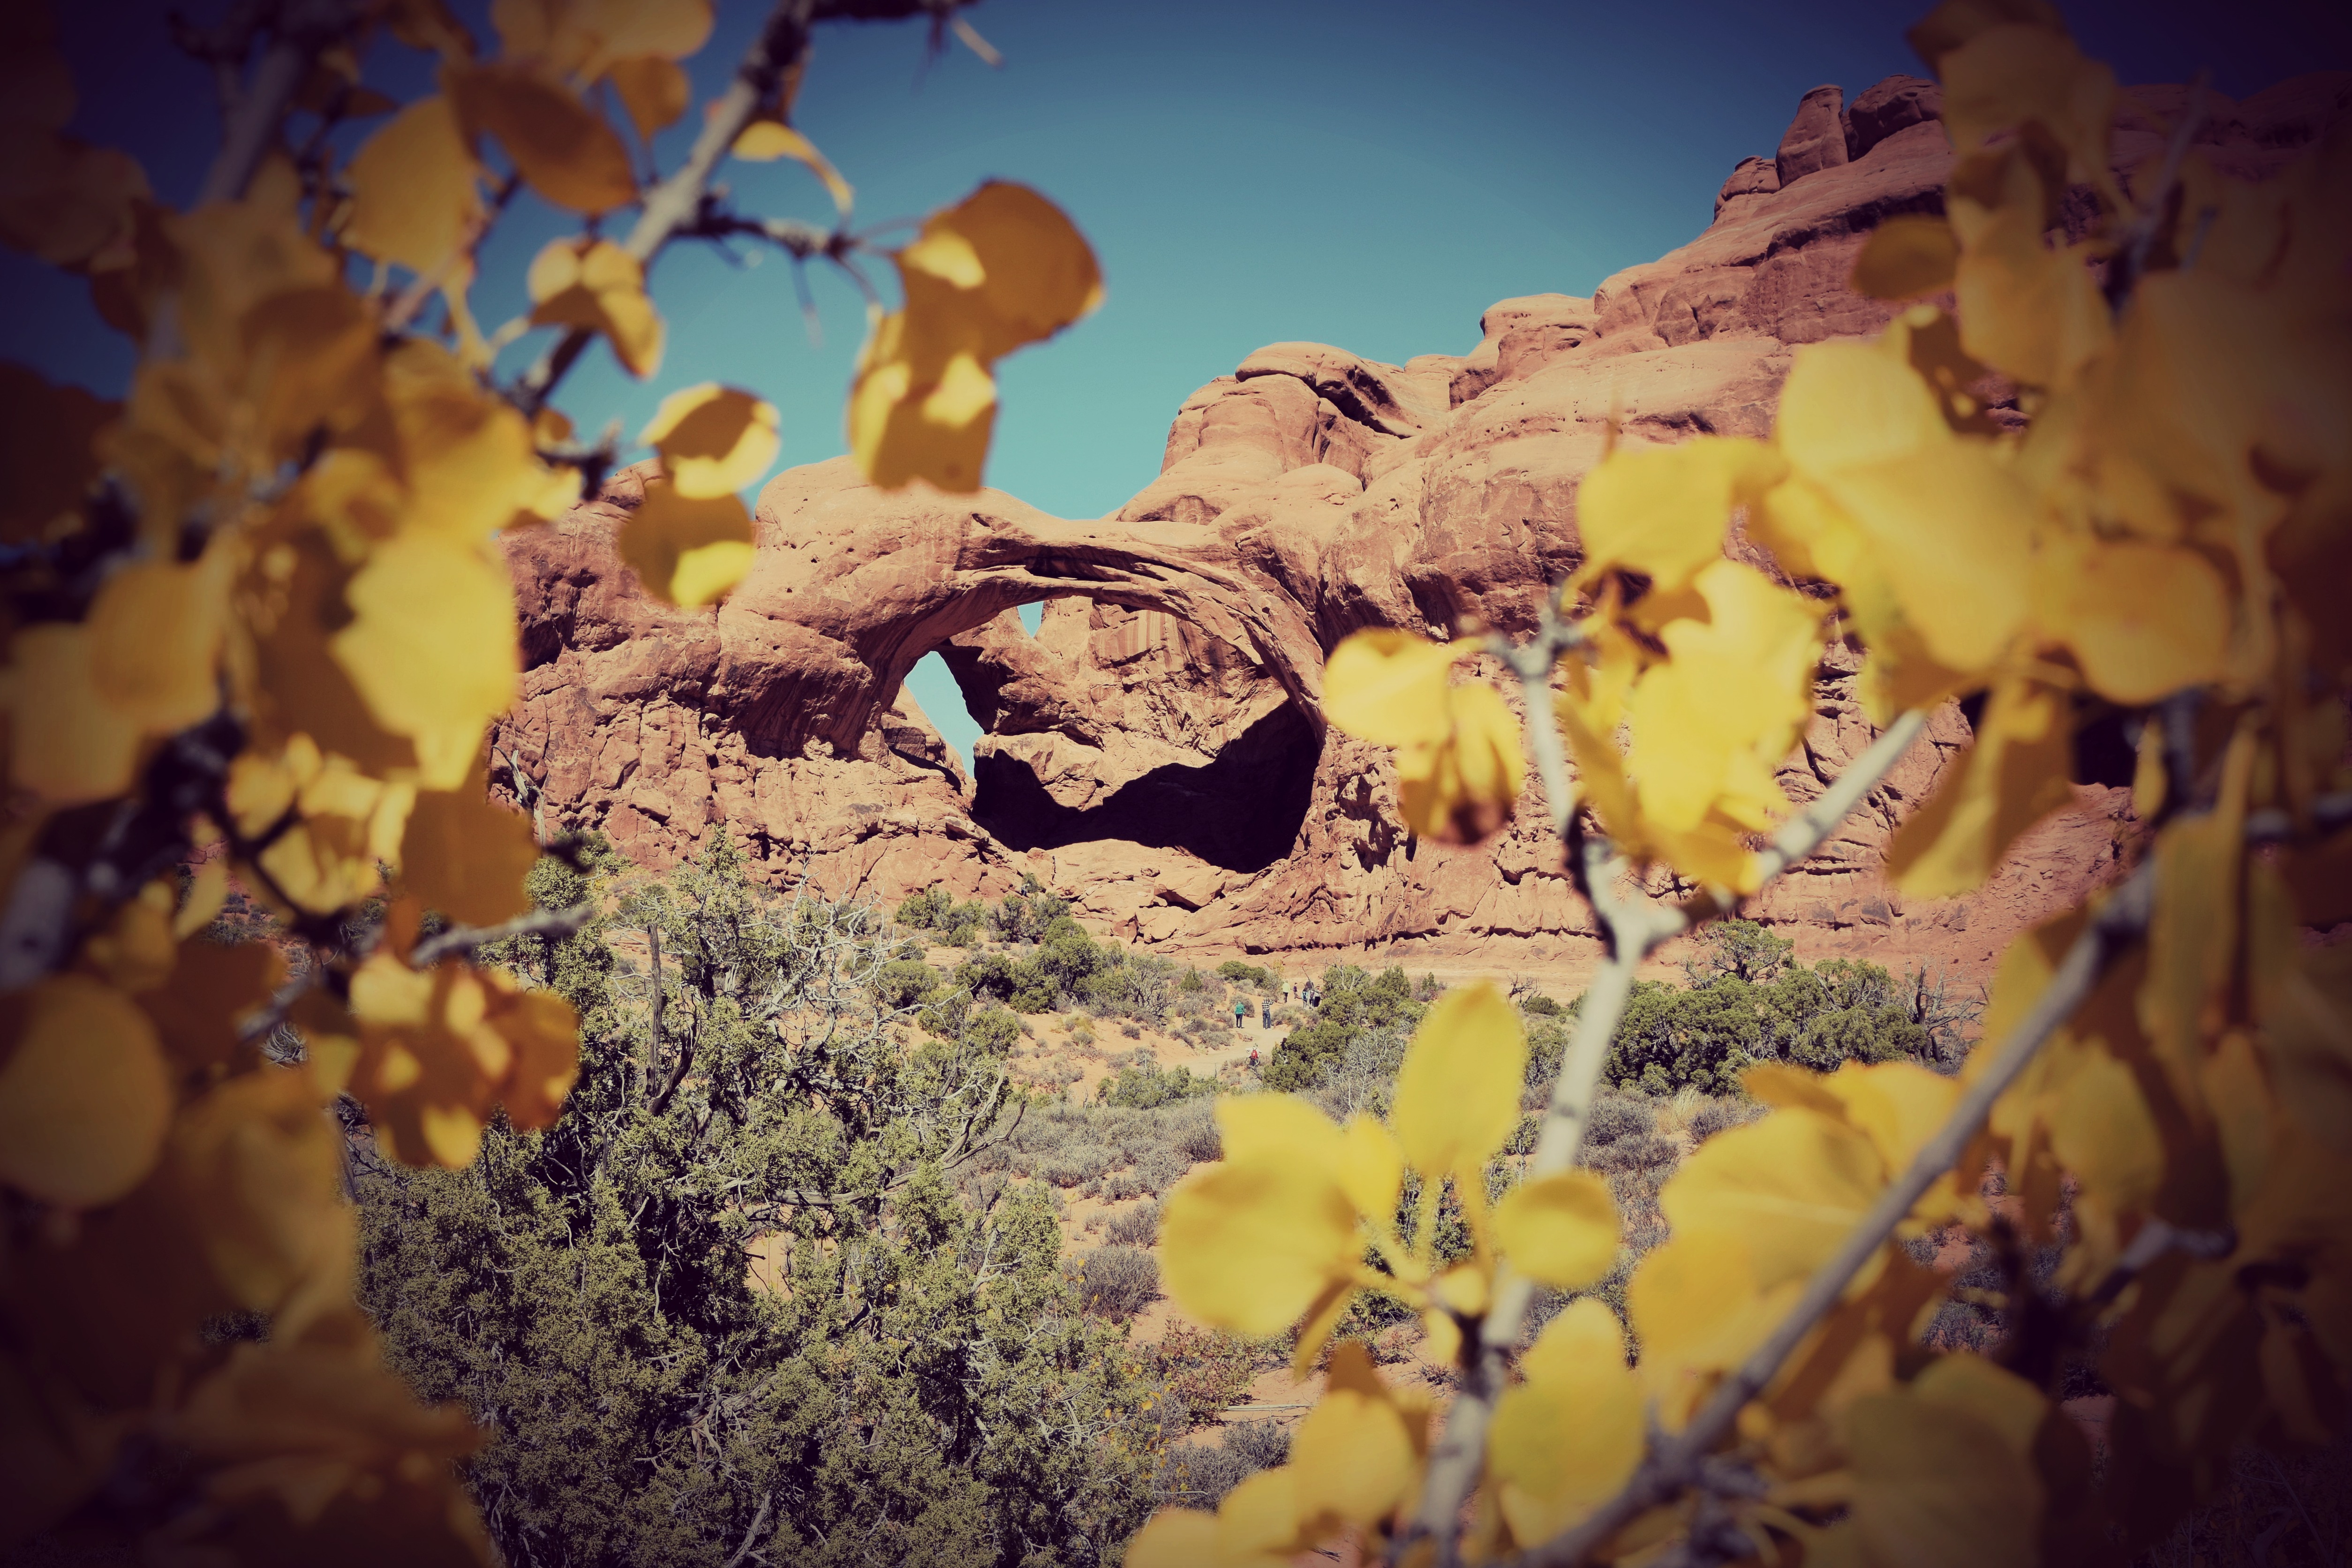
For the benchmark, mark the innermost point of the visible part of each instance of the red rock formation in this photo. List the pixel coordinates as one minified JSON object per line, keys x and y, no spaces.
{"x":1156,"y":751}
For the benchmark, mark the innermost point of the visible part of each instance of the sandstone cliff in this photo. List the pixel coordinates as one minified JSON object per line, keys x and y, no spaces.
{"x":1156,"y":752}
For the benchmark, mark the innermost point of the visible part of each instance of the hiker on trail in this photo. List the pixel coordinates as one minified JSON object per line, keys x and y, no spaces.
{"x":1241,"y":1011}
{"x":1253,"y":1058}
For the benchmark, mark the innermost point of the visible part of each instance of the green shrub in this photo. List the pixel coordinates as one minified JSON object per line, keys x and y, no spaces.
{"x":1146,"y":1088}
{"x":588,"y":1290}
{"x":903,"y":983}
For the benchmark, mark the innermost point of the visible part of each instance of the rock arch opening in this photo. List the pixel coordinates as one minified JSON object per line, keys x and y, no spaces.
{"x":1112,"y":722}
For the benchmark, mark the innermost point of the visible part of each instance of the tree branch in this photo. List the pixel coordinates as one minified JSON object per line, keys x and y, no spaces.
{"x":468,"y":939}
{"x":1675,"y":1463}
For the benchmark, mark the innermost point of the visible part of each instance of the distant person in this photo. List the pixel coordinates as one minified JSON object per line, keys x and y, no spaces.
{"x":1241,"y":1011}
{"x":1253,"y":1058}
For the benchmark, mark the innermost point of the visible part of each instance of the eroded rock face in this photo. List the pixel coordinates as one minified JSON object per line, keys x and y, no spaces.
{"x":1156,"y":752}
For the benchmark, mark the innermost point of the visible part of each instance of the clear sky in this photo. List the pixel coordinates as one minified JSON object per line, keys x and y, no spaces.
{"x":1354,"y":172}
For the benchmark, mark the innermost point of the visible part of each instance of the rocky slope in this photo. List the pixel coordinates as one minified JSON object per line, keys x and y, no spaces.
{"x":1157,"y":751}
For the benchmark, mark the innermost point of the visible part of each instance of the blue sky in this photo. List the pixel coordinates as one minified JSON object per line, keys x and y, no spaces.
{"x":1354,"y":172}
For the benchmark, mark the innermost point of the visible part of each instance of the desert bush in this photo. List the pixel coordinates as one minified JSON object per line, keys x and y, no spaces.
{"x":1538,"y":1005}
{"x":1160,"y":1170}
{"x":904,"y":983}
{"x":1195,"y":1138}
{"x":1239,"y":973}
{"x":1119,"y":1281}
{"x":1204,"y":1371}
{"x":1722,"y":1115}
{"x":1634,"y":1151}
{"x":1138,"y":1226}
{"x":1120,"y":1186}
{"x":1079,"y":1035}
{"x":1615,"y":1116}
{"x":1146,"y":1088}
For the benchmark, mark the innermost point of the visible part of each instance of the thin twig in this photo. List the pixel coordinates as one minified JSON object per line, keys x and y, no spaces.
{"x":672,"y":206}
{"x":1673,"y":1464}
{"x":1532,"y":662}
{"x":469,"y":940}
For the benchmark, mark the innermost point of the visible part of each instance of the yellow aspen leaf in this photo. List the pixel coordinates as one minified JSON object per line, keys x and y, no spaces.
{"x":713,"y":439}
{"x":595,"y":284}
{"x":2305,"y":1004}
{"x":1002,"y":267}
{"x":61,"y":200}
{"x":468,"y":458}
{"x":1258,"y":1524}
{"x":1791,"y":1186}
{"x":1462,"y":1290}
{"x":1250,"y":1244}
{"x":1567,"y":1439}
{"x":294,"y":1429}
{"x":207,"y":891}
{"x":2023,"y":73}
{"x":432,"y":649}
{"x":439,"y":1049}
{"x":1937,"y":1486}
{"x":655,"y":91}
{"x":1897,"y":1105}
{"x":1372,"y":1167}
{"x":1713,"y":721}
{"x":1280,"y":1126}
{"x":931,"y":425}
{"x":1696,"y":1307}
{"x":67,"y":744}
{"x":1174,"y":1538}
{"x":1390,"y":687}
{"x":580,"y":38}
{"x":561,"y":147}
{"x":209,"y":992}
{"x":2142,"y":620}
{"x":346,"y":825}
{"x":1560,"y":1230}
{"x":2026,"y":310}
{"x":416,"y":195}
{"x":85,"y":1098}
{"x":2101,"y":1131}
{"x":1663,"y":512}
{"x":133,"y":951}
{"x":312,"y":369}
{"x":290,"y":603}
{"x":47,"y":436}
{"x":263,"y":1171}
{"x":2193,"y":935}
{"x":689,"y":552}
{"x":1462,"y":789}
{"x":1458,"y":1094}
{"x":155,"y":632}
{"x":1022,"y":269}
{"x":1949,"y":529}
{"x":1351,"y":1460}
{"x":1849,"y":404}
{"x":767,"y":139}
{"x":1905,"y":257}
{"x":466,"y":857}
{"x":2014,"y":776}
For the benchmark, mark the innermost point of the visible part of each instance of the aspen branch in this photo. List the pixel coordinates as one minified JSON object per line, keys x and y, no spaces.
{"x":1532,"y":662}
{"x":1675,"y":1462}
{"x":674,"y":208}
{"x":1636,"y":927}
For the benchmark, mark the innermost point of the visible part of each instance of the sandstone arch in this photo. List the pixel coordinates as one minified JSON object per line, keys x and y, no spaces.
{"x":1307,"y":494}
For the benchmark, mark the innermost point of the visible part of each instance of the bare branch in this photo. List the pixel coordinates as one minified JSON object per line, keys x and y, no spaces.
{"x":1532,"y":663}
{"x":302,"y":28}
{"x":1804,"y":833}
{"x":468,"y":939}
